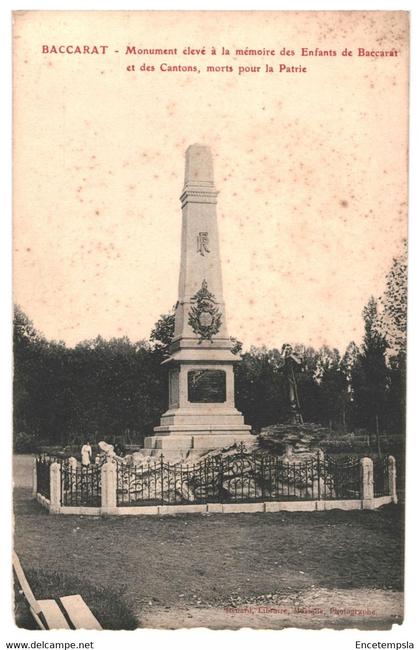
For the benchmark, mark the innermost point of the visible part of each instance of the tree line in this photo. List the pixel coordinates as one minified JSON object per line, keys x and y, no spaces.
{"x":117,"y":389}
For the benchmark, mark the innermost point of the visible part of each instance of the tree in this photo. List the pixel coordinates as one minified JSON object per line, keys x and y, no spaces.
{"x":237,"y":345}
{"x":395,"y":404}
{"x":348,"y":361}
{"x":334,"y":387}
{"x":114,"y":388}
{"x":98,"y":389}
{"x":163,"y":331}
{"x":393,"y":320}
{"x":347,"y":364}
{"x":370,"y":373}
{"x":34,"y":377}
{"x":259,"y":387}
{"x":393,"y":325}
{"x":308,"y":387}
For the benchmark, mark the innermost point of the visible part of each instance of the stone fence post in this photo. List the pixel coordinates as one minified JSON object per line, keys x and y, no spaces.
{"x":320,"y":478}
{"x":72,"y":476}
{"x":55,"y":488}
{"x":366,"y":483}
{"x":108,"y":487}
{"x":34,"y":478}
{"x":392,"y":478}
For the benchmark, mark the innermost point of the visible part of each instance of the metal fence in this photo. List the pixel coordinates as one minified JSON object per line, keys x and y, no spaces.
{"x":43,"y":476}
{"x":380,"y":477}
{"x":236,"y":478}
{"x":240,"y":477}
{"x":80,"y":486}
{"x":52,"y":458}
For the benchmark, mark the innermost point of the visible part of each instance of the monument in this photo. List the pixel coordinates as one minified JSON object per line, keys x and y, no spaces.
{"x":292,"y":361}
{"x":201,"y":414}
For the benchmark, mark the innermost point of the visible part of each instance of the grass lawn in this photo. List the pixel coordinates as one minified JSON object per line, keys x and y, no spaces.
{"x":198,"y":561}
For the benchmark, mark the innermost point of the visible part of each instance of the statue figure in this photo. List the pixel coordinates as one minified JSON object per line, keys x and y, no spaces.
{"x":107,"y":449}
{"x":110,"y":452}
{"x":291,"y":363}
{"x":86,"y":454}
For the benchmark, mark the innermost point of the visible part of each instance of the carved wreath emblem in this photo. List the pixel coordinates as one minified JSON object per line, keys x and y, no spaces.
{"x":204,"y":317}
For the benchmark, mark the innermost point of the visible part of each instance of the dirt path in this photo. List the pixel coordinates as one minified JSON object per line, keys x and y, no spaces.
{"x":22,"y":470}
{"x":314,"y":609}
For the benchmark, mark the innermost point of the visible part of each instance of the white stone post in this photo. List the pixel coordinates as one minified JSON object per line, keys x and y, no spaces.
{"x":321,"y":480}
{"x":55,"y":488}
{"x":392,"y":479}
{"x":73,"y":464}
{"x":366,"y":483}
{"x":108,"y":488}
{"x":34,"y":479}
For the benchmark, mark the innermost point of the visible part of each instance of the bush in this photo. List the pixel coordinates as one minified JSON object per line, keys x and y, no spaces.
{"x":25,"y":443}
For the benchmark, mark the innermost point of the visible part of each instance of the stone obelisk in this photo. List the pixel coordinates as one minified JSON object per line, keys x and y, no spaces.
{"x":201,"y":413}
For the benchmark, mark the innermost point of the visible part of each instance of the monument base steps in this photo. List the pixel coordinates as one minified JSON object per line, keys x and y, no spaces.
{"x":175,"y":446}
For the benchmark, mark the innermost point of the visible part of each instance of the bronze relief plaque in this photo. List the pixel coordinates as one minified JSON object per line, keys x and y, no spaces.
{"x":207,"y":386}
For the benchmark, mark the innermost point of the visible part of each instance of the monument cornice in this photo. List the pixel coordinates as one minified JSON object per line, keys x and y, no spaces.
{"x":205,"y":355}
{"x":198,"y":193}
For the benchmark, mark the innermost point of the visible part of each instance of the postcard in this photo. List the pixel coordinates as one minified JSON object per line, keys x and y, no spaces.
{"x":210,"y":289}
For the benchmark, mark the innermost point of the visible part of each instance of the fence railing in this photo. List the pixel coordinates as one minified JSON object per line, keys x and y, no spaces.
{"x":43,"y":476}
{"x":52,"y":458}
{"x":80,"y":486}
{"x":238,"y":478}
{"x":381,"y":478}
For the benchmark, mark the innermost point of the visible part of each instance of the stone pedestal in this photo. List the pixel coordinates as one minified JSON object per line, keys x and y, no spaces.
{"x":392,"y":479}
{"x":108,"y":487}
{"x":55,"y":488}
{"x":367,"y":484}
{"x":201,"y":413}
{"x":34,"y":479}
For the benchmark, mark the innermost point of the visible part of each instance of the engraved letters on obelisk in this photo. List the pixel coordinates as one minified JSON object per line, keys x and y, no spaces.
{"x":203,"y":243}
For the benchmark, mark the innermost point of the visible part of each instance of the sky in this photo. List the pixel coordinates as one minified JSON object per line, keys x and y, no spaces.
{"x":311,"y":169}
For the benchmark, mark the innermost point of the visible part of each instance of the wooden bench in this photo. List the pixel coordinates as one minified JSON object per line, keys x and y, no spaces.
{"x":48,"y":614}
